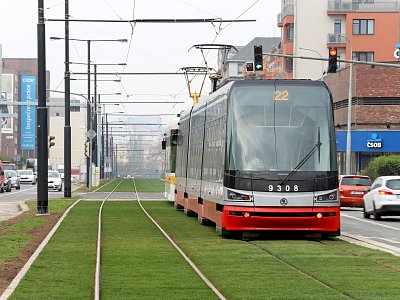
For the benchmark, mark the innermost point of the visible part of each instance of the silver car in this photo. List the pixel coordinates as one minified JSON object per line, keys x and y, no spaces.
{"x":15,"y":181}
{"x":54,"y":181}
{"x":383,"y":198}
{"x":26,"y":176}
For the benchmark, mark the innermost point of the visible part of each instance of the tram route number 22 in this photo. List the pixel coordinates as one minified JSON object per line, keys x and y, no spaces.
{"x":281,"y":95}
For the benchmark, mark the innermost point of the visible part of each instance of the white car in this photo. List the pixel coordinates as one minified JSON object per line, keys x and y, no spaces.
{"x":26,"y":176}
{"x":54,"y":181}
{"x":383,"y":198}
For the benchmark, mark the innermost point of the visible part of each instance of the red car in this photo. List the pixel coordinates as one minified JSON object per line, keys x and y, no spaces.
{"x":352,"y":189}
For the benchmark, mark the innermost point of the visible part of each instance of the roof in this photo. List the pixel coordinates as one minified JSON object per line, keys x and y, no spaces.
{"x":246,"y":53}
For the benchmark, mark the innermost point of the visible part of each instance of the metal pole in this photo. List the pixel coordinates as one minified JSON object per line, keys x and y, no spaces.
{"x":67,"y":125}
{"x":94,"y":120}
{"x":88,"y":115}
{"x":116,"y":160}
{"x":107,"y":152}
{"x":99,"y":133}
{"x":42,"y":191}
{"x":102,"y":148}
{"x":348,"y":137}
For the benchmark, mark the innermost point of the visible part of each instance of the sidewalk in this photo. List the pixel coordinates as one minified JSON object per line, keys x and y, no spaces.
{"x":9,"y":210}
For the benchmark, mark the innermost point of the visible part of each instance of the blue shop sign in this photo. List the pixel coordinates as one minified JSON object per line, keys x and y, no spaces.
{"x":369,"y":141}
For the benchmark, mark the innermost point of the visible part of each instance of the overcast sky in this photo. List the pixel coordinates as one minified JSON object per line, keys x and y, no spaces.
{"x":151,"y":47}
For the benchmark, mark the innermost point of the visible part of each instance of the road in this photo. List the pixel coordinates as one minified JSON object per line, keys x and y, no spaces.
{"x":384,"y":233}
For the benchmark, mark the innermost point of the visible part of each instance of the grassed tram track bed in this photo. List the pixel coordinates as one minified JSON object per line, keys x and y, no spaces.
{"x":138,"y":262}
{"x":282,"y":269}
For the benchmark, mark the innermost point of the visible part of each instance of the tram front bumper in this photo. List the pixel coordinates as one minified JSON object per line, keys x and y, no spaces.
{"x":319,"y":219}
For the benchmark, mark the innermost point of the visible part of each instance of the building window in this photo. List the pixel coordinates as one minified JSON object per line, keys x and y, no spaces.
{"x":363,"y":26}
{"x":337,"y":27}
{"x":289,"y":31}
{"x":289,"y":64}
{"x":363,"y":56}
{"x":57,"y":114}
{"x":240,"y":68}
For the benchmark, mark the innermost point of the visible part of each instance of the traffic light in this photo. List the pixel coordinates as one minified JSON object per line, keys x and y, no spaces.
{"x":249,"y":66}
{"x":87,"y":148}
{"x":332,"y":64}
{"x":258,"y":58}
{"x":50,"y":142}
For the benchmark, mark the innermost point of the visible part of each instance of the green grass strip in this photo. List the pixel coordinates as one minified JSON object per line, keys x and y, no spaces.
{"x":139,"y":263}
{"x":109,"y":186}
{"x":355,"y":271}
{"x":65,"y":268}
{"x":149,"y":185}
{"x":242,"y":270}
{"x":11,"y":246}
{"x":126,"y":186}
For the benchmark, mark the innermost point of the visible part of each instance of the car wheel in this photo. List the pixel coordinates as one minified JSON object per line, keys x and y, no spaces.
{"x":365,"y":214}
{"x":377,"y":216}
{"x":60,"y":189}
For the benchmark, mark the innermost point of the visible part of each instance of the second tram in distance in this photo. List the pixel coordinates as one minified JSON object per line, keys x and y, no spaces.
{"x":260,"y":155}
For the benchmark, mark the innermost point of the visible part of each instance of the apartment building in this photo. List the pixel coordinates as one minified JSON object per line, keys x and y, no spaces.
{"x":365,"y":30}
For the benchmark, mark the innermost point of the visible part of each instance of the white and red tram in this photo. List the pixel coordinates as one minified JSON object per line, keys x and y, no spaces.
{"x":260,"y":155}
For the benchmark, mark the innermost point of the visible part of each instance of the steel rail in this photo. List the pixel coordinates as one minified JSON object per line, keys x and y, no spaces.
{"x":98,"y":250}
{"x":188,"y":260}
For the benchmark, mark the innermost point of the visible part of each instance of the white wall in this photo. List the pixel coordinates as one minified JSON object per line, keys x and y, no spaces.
{"x":312,"y":25}
{"x":78,"y":138}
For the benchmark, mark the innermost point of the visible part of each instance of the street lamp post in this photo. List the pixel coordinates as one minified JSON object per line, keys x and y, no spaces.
{"x":322,"y":62}
{"x":348,"y":138}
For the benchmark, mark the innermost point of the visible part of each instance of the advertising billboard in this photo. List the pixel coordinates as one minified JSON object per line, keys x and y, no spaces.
{"x":28,"y":112}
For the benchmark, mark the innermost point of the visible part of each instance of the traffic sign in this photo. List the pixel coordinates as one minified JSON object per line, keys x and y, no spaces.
{"x":91,"y":134}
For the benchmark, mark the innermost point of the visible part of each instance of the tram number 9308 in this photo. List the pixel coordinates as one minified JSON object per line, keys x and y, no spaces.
{"x":283,"y":188}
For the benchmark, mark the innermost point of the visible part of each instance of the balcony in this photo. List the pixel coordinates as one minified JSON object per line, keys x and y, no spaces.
{"x":337,"y":6}
{"x":336,"y":39}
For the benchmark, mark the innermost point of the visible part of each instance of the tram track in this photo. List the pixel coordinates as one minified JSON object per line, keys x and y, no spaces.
{"x":181,"y":252}
{"x":97,"y":288}
{"x":302,"y":272}
{"x":98,"y":249}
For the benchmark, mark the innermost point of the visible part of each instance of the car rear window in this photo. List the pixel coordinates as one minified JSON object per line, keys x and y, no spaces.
{"x":356,"y":181}
{"x":393,"y":184}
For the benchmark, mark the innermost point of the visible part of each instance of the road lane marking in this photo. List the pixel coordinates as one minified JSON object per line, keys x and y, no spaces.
{"x":371,"y":222}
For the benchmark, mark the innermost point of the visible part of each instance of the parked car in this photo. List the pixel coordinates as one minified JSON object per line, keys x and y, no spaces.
{"x":26,"y":176}
{"x":1,"y":177}
{"x":54,"y":181}
{"x":7,"y":183}
{"x":352,"y":189}
{"x":383,"y":199}
{"x":15,"y":181}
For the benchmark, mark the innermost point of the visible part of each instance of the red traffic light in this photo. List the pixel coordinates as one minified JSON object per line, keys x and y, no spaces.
{"x":333,"y":52}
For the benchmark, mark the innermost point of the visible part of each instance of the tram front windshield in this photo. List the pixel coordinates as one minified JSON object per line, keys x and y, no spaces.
{"x":272,"y":128}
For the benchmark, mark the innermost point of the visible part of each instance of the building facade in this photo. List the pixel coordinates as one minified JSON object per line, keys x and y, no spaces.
{"x":365,"y":30}
{"x":18,"y":129}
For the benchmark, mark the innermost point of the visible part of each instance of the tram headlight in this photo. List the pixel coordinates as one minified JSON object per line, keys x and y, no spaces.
{"x":326,"y":197}
{"x":239,"y":197}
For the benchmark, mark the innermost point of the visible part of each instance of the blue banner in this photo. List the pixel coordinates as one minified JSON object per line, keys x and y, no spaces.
{"x":28,"y":112}
{"x":369,"y":141}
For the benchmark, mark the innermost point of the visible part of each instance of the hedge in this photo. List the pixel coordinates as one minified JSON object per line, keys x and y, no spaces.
{"x":383,"y":166}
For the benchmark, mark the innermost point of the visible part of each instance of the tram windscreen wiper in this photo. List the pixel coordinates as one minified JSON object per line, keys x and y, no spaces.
{"x":305,"y":159}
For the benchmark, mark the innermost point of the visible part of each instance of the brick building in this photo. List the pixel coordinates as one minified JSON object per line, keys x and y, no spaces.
{"x":375,"y":117}
{"x":14,"y":69}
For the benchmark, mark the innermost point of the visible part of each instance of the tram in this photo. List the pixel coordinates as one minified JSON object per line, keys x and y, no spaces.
{"x":169,"y":144}
{"x":260,"y":155}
